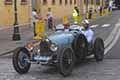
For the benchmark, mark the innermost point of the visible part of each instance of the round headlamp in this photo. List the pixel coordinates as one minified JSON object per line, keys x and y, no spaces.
{"x":29,"y":46}
{"x":53,"y":47}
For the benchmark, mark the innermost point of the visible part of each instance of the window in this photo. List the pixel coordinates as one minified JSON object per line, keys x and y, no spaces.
{"x":98,"y":2}
{"x":44,"y":2}
{"x":60,"y":1}
{"x":8,"y":2}
{"x":23,"y":2}
{"x":92,"y":2}
{"x":53,"y":2}
{"x":75,"y":2}
{"x":70,"y":2}
{"x":66,"y":2}
{"x":86,"y":2}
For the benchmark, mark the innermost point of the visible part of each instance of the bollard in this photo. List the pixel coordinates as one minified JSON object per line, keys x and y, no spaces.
{"x":101,"y":11}
{"x":39,"y":29}
{"x":65,"y":22}
{"x":87,"y":14}
{"x":95,"y":14}
{"x":90,"y":14}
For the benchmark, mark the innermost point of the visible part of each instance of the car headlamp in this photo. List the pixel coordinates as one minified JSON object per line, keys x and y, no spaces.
{"x":47,"y":40}
{"x":53,"y":47}
{"x":29,"y":46}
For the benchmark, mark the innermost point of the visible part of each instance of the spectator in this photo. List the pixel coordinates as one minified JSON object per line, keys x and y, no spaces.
{"x":110,"y":5}
{"x":75,"y":14}
{"x":50,"y":19}
{"x":34,"y":18}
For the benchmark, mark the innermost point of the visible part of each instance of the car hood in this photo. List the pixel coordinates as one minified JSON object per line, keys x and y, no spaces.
{"x":61,"y":38}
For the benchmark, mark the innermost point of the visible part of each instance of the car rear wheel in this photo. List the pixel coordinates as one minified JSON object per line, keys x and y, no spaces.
{"x":99,"y":49}
{"x":20,"y":63}
{"x":80,"y":46}
{"x":65,"y":61}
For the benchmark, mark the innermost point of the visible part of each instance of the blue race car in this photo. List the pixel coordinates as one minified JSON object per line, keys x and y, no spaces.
{"x":61,"y":49}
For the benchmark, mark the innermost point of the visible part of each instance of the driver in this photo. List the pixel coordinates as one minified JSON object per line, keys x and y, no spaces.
{"x":87,"y":31}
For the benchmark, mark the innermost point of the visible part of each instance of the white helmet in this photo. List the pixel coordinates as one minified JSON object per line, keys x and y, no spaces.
{"x":85,"y":21}
{"x":75,"y":22}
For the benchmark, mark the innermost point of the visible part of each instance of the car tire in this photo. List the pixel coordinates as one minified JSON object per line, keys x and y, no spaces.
{"x":66,"y":60}
{"x":98,"y":49}
{"x":80,"y":46}
{"x":20,"y":65}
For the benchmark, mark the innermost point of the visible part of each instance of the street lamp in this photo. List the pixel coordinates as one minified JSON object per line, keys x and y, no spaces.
{"x":16,"y":34}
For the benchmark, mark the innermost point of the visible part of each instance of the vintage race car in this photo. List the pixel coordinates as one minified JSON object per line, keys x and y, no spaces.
{"x":61,"y":49}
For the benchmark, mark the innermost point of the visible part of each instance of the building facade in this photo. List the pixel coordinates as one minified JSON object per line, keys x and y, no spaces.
{"x":59,"y":8}
{"x":62,"y":8}
{"x":7,"y":12}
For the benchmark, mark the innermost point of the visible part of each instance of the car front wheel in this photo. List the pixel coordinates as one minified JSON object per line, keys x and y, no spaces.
{"x":65,"y":61}
{"x":20,"y":60}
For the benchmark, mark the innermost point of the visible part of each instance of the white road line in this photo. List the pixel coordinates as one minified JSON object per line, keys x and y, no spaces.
{"x":111,"y":36}
{"x":106,"y":25}
{"x":113,"y":43}
{"x":93,"y":26}
{"x":110,"y":46}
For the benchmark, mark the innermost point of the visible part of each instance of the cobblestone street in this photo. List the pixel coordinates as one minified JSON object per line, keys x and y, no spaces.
{"x":109,"y":69}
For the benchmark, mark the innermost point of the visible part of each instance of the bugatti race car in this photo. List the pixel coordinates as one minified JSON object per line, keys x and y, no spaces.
{"x":61,"y":49}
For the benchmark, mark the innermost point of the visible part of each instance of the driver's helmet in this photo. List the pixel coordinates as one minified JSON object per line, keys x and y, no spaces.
{"x":60,"y":27}
{"x":75,"y":23}
{"x":85,"y":21}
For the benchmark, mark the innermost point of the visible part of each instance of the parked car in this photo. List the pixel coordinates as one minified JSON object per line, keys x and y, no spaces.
{"x":61,"y":49}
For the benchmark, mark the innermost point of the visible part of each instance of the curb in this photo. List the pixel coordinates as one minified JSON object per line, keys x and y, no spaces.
{"x":99,"y":17}
{"x":3,"y":28}
{"x":9,"y":52}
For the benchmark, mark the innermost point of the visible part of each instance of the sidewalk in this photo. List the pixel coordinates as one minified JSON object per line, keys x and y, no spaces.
{"x":7,"y":44}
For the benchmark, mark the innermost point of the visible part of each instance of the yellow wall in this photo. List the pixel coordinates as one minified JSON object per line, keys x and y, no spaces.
{"x":58,"y":10}
{"x":62,"y":10}
{"x":7,"y":13}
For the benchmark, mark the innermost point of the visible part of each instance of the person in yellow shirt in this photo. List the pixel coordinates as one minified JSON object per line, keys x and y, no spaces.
{"x":75,"y":14}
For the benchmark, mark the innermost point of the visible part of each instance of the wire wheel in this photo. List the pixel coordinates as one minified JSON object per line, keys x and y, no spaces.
{"x":20,"y":60}
{"x":99,"y":49}
{"x":81,"y":46}
{"x":66,"y":61}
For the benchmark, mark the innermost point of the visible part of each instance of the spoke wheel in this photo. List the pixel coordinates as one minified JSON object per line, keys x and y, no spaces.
{"x":20,"y":60}
{"x":81,"y":46}
{"x":66,"y":61}
{"x":99,"y":49}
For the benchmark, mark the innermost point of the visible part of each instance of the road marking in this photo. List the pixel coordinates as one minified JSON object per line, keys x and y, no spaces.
{"x":106,"y":25}
{"x":93,"y":26}
{"x":113,"y":43}
{"x":111,"y":36}
{"x":110,"y":39}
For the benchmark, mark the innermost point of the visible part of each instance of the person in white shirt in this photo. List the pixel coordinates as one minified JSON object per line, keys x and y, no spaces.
{"x":87,"y":31}
{"x":34,"y":18}
{"x":110,"y":5}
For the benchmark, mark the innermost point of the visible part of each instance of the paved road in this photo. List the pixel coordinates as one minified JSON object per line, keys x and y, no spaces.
{"x":109,"y":69}
{"x":6,"y":42}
